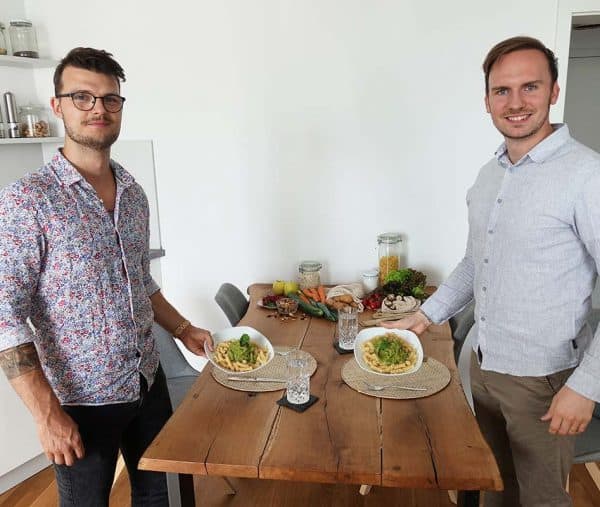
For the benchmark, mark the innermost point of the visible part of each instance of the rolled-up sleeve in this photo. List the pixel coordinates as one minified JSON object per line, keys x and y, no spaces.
{"x":585,"y":379}
{"x":21,"y":254}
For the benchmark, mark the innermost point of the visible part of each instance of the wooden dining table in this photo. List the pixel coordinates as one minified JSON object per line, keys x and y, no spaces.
{"x":345,"y":438}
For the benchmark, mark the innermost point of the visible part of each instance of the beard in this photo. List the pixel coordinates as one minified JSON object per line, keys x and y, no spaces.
{"x":93,"y":143}
{"x":528,"y":133}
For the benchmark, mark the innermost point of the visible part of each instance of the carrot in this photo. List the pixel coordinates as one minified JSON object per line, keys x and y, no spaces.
{"x":307,"y":293}
{"x":314,"y":294}
{"x":321,"y":292}
{"x":303,"y":297}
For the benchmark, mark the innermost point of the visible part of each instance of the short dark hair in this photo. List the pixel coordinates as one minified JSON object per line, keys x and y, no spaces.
{"x":517,"y":44}
{"x":96,"y":60}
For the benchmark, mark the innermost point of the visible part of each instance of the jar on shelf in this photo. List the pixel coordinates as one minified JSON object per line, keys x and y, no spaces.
{"x":33,"y":121}
{"x":390,"y":252}
{"x":370,"y":280}
{"x":3,"y":44}
{"x":22,"y":39}
{"x":309,"y":274}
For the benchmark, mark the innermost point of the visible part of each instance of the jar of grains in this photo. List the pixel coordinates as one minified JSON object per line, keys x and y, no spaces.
{"x":309,"y":274}
{"x":33,"y":121}
{"x":390,"y":250}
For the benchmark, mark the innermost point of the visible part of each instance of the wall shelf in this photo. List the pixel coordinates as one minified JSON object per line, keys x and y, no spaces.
{"x":31,"y":140}
{"x":27,"y":63}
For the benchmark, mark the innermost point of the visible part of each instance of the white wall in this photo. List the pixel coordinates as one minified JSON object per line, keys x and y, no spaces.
{"x":287,"y":130}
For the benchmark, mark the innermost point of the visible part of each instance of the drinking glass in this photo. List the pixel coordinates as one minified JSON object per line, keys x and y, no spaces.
{"x":347,"y":327}
{"x":298,"y":380}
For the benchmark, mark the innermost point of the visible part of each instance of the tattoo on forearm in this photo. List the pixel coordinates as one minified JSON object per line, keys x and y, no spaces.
{"x":19,"y":360}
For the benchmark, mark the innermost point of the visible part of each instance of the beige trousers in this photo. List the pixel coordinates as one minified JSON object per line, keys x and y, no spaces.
{"x":534,"y":464}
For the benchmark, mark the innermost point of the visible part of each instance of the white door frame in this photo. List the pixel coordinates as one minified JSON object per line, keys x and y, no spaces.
{"x":567,"y":10}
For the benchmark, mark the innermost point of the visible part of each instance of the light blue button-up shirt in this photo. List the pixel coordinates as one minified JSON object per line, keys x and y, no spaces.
{"x":531,"y":262}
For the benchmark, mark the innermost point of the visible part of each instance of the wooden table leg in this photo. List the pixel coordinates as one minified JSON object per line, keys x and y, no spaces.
{"x":186,"y":490}
{"x":467,"y":499}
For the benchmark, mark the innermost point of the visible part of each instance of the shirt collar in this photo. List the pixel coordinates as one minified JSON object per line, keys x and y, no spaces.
{"x":541,"y":151}
{"x":68,"y":174}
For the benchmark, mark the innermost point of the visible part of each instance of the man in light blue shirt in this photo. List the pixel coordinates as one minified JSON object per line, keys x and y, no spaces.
{"x":531,"y":264}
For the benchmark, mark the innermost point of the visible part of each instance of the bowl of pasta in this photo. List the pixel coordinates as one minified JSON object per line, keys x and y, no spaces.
{"x":240,"y":349}
{"x":388,"y":352}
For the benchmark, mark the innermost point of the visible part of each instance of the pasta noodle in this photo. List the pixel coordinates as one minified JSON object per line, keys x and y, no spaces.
{"x":389,"y":353}
{"x":222,"y":358}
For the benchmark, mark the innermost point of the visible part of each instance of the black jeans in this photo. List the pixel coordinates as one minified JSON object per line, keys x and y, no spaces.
{"x":104,"y":430}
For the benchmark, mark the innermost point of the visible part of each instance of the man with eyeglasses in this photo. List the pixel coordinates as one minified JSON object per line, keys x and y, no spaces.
{"x":77,"y":300}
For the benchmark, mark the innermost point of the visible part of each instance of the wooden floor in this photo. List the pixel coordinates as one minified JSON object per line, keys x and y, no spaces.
{"x":40,"y":491}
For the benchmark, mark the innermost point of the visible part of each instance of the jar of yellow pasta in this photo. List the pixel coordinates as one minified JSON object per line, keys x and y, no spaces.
{"x":390,"y":253}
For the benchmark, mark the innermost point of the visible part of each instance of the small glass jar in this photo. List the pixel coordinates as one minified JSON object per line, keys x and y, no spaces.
{"x":33,"y":121}
{"x":370,"y":280}
{"x":22,"y":39}
{"x":3,"y":45}
{"x":390,"y":251}
{"x":309,"y":274}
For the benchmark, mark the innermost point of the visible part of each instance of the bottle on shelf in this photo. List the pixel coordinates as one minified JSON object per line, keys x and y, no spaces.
{"x":12,"y":125}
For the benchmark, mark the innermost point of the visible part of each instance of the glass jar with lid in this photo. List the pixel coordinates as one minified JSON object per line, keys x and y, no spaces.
{"x":390,"y":253}
{"x":33,"y":121}
{"x":309,"y":274}
{"x":22,"y":39}
{"x":3,"y":45}
{"x":370,"y":280}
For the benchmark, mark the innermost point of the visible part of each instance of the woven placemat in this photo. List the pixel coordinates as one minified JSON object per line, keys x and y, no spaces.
{"x":432,"y":375}
{"x":277,"y":368}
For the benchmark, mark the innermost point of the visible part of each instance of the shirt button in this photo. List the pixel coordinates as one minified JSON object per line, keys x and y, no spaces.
{"x":485,"y":261}
{"x":491,"y":231}
{"x":482,"y":319}
{"x":499,"y":201}
{"x":483,"y":289}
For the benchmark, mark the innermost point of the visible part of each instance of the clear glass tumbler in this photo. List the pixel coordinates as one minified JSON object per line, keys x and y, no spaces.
{"x":298,"y":380}
{"x":347,"y":327}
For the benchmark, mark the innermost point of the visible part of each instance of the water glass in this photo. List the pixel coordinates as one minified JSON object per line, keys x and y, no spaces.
{"x":298,"y":380}
{"x":347,"y":327}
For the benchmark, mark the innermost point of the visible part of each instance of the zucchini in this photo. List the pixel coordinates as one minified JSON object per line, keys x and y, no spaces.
{"x":327,"y":313}
{"x":308,"y":309}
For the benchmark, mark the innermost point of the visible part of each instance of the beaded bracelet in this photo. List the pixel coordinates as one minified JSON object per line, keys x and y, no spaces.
{"x":181,"y":328}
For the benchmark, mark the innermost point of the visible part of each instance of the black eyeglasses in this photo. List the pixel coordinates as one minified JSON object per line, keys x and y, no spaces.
{"x":85,"y":101}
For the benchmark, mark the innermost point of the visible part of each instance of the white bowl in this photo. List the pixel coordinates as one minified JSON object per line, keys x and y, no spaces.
{"x":372,"y":332}
{"x":234,"y":333}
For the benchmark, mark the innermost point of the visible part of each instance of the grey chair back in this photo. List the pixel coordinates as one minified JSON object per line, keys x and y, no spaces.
{"x":233,"y":303}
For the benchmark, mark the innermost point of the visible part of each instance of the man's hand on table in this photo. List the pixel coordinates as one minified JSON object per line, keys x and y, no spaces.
{"x":569,"y":412}
{"x":417,"y":323}
{"x":194,"y":337}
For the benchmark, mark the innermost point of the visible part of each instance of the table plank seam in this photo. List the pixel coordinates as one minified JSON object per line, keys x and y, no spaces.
{"x":336,"y":450}
{"x":429,"y":445}
{"x":269,"y":441}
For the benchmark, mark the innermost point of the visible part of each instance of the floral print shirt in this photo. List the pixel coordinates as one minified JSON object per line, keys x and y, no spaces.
{"x":75,"y":280}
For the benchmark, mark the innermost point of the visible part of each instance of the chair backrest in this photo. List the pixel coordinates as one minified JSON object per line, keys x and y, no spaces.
{"x":233,"y":303}
{"x":171,"y":358}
